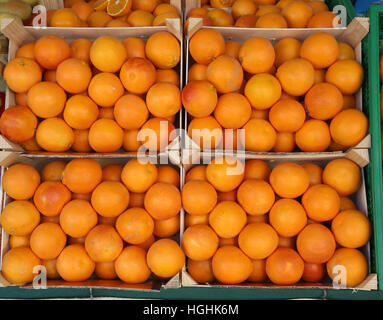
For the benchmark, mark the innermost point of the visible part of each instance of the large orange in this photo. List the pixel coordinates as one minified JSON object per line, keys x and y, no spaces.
{"x":314,"y":171}
{"x":351,"y":229}
{"x":82,"y":175}
{"x":263,"y":90}
{"x":198,"y":197}
{"x":233,"y":110}
{"x":349,"y":127}
{"x":165,"y":258}
{"x":130,"y":112}
{"x":257,"y":169}
{"x":289,"y":180}
{"x":21,"y":74}
{"x":163,"y":99}
{"x":287,"y":115}
{"x":288,"y":217}
{"x":201,"y":271}
{"x":284,"y":266}
{"x":227,"y":219}
{"x":321,"y":49}
{"x":258,"y":135}
{"x":297,"y":13}
{"x":47,"y":240}
{"x":353,"y":264}
{"x":206,"y":45}
{"x":54,"y":135}
{"x":107,"y":54}
{"x":199,"y":242}
{"x":105,"y":89}
{"x":163,"y":49}
{"x":231,"y":266}
{"x":51,"y":50}
{"x":74,"y":264}
{"x":316,"y":243}
{"x":135,"y":225}
{"x":138,"y":176}
{"x":73,"y":75}
{"x":156,"y":134}
{"x":343,"y":175}
{"x":313,"y":136}
{"x":206,"y":132}
{"x":286,"y":49}
{"x":77,"y":218}
{"x":163,"y":201}
{"x":18,"y":265}
{"x":80,"y":112}
{"x":296,"y":76}
{"x":46,"y":99}
{"x":257,"y":55}
{"x":225,"y":173}
{"x":105,"y":135}
{"x":323,"y":101}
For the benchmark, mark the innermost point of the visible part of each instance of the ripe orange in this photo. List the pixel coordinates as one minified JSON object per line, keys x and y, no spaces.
{"x":351,"y":229}
{"x":163,"y":8}
{"x":346,"y":204}
{"x":105,"y":270}
{"x":196,"y":173}
{"x":163,"y":49}
{"x":220,"y":18}
{"x":259,"y":271}
{"x":99,"y":19}
{"x":197,"y":72}
{"x":258,"y":135}
{"x":313,"y":136}
{"x":138,"y":176}
{"x":231,"y":266}
{"x":47,"y":240}
{"x":138,"y":75}
{"x":323,"y":19}
{"x":285,"y":142}
{"x":80,"y":49}
{"x":345,"y":51}
{"x":233,"y":110}
{"x":54,"y":135}
{"x":314,"y":171}
{"x":105,"y":135}
{"x":51,"y":50}
{"x":198,"y":197}
{"x":227,"y":219}
{"x":19,"y":241}
{"x":168,"y":75}
{"x":105,"y":89}
{"x":316,"y":243}
{"x":168,"y":174}
{"x":199,"y":242}
{"x":130,"y":140}
{"x":140,"y":18}
{"x":200,"y":271}
{"x":64,"y":18}
{"x":271,"y":20}
{"x":130,"y":112}
{"x":206,"y":132}
{"x":247,"y":21}
{"x":77,"y":218}
{"x":263,"y":90}
{"x":50,"y":266}
{"x":318,"y":6}
{"x":80,"y":112}
{"x":206,"y":45}
{"x":314,"y":272}
{"x":112,"y":172}
{"x":192,"y":219}
{"x":284,"y":266}
{"x":156,"y":134}
{"x":106,"y":113}
{"x":81,"y":141}
{"x":232,"y":49}
{"x":53,"y":170}
{"x":297,"y":13}
{"x":287,"y":115}
{"x":167,"y":228}
{"x":26,"y":51}
{"x":257,"y":169}
{"x":135,"y":47}
{"x":163,"y":99}
{"x":73,"y":75}
{"x":286,"y":49}
{"x":165,"y":258}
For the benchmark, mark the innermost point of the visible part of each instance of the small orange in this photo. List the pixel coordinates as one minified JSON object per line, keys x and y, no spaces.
{"x":345,"y":51}
{"x":83,"y":10}
{"x":243,"y":7}
{"x":169,"y":76}
{"x":259,"y":271}
{"x":168,"y":174}
{"x":163,"y":8}
{"x":81,"y":141}
{"x":196,"y":173}
{"x":99,"y":19}
{"x":64,"y":18}
{"x":286,"y":49}
{"x":192,"y":219}
{"x":140,"y":18}
{"x":26,"y":51}
{"x":80,"y":112}
{"x":18,"y":241}
{"x":139,"y":176}
{"x":258,"y":135}
{"x":323,"y":19}
{"x":247,"y":21}
{"x":80,"y":49}
{"x":313,"y":136}
{"x":232,"y":49}
{"x":105,"y":89}
{"x":54,"y":135}
{"x":257,"y":169}
{"x":106,"y":113}
{"x":47,"y":240}
{"x":271,"y":20}
{"x":167,"y":228}
{"x":135,"y":47}
{"x":112,"y":172}
{"x":199,"y":242}
{"x":220,"y":17}
{"x":105,"y":135}
{"x":105,"y":270}
{"x":314,"y":272}
{"x":346,"y":204}
{"x":227,"y":196}
{"x":130,"y":140}
{"x":200,"y":271}
{"x":314,"y":171}
{"x":285,"y":142}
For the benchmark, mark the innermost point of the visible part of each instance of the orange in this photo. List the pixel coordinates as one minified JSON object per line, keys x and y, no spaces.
{"x":147,"y":243}
{"x":314,"y":172}
{"x":225,"y":173}
{"x":81,"y":141}
{"x":163,"y":49}
{"x":74,"y":264}
{"x":168,"y":75}
{"x":105,"y":135}
{"x":257,"y":169}
{"x":21,"y":74}
{"x":232,"y":49}
{"x":346,"y":204}
{"x":135,"y":225}
{"x":99,"y":19}
{"x":18,"y":265}
{"x":314,"y":136}
{"x":316,"y":243}
{"x":200,"y":271}
{"x":65,"y":18}
{"x":323,"y":19}
{"x":20,"y":181}
{"x":156,"y":134}
{"x":77,"y":218}
{"x":343,"y":175}
{"x":165,"y":7}
{"x":206,"y":45}
{"x":139,"y":176}
{"x":161,"y":19}
{"x":225,"y":73}
{"x":258,"y":135}
{"x":112,"y":172}
{"x":140,"y":18}
{"x":192,"y":219}
{"x":288,"y":217}
{"x":82,"y":175}
{"x":80,"y":49}
{"x":263,"y":90}
{"x":51,"y":270}
{"x":196,"y":173}
{"x":297,"y":13}
{"x":137,"y":75}
{"x":221,"y":3}
{"x":354,"y":263}
{"x":349,"y":127}
{"x":80,"y":112}
{"x":147,"y":5}
{"x":257,"y":55}
{"x":26,"y":51}
{"x":284,"y":266}
{"x":231,"y":266}
{"x":199,"y":242}
{"x":105,"y":270}
{"x":105,"y":89}
{"x":168,"y":174}
{"x":206,"y":132}
{"x":198,"y":197}
{"x":73,"y":75}
{"x":135,"y":47}
{"x":19,"y":218}
{"x":285,"y":142}
{"x":314,"y":272}
{"x":233,"y":110}
{"x":199,"y":98}
{"x":318,"y":6}
{"x":227,"y":219}
{"x":321,"y":202}
{"x":247,"y":21}
{"x":107,"y":54}
{"x":46,"y":99}
{"x":119,"y":8}
{"x":321,"y":49}
{"x":286,"y":49}
{"x":165,"y":258}
{"x":31,"y":145}
{"x":51,"y":50}
{"x":21,"y":98}
{"x":167,"y":228}
{"x":296,"y":76}
{"x":323,"y":101}
{"x":265,"y":8}
{"x":18,"y":241}
{"x":351,"y":229}
{"x":271,"y":20}
{"x":163,"y":201}
{"x":289,"y":180}
{"x":54,"y":135}
{"x":83,"y":10}
{"x":259,"y":271}
{"x":130,"y":140}
{"x":220,"y":18}
{"x":163,"y":99}
{"x":347,"y":75}
{"x":53,"y":170}
{"x":47,"y":240}
{"x":258,"y":240}
{"x":346,"y":52}
{"x":255,"y":196}
{"x":130,"y":112}
{"x":287,"y":115}
{"x":243,"y":7}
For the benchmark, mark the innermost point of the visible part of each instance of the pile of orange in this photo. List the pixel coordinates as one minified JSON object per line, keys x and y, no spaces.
{"x":293,"y":95}
{"x":78,"y":219}
{"x":111,"y":13}
{"x":249,"y":223}
{"x":266,"y":14}
{"x":93,"y":96}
